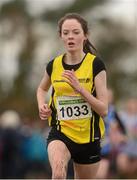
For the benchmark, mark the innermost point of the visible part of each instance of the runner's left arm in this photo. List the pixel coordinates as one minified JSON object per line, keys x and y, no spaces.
{"x":99,"y":103}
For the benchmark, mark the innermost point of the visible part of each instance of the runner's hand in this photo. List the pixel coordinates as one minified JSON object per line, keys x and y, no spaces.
{"x":44,"y":112}
{"x":71,"y":79}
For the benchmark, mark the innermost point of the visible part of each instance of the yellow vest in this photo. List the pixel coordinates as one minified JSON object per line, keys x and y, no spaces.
{"x":80,"y":130}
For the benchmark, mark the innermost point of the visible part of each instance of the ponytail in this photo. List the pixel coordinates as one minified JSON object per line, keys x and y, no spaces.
{"x":88,"y":47}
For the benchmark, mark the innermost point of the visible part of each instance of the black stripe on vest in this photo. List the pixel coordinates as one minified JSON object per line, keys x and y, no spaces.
{"x":97,"y":133}
{"x":54,"y":111}
{"x":54,"y":120}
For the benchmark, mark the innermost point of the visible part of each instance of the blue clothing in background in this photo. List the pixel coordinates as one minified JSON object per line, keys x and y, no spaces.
{"x":34,"y":147}
{"x":110,"y":118}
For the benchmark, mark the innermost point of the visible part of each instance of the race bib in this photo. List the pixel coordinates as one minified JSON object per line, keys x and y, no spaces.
{"x":72,"y":107}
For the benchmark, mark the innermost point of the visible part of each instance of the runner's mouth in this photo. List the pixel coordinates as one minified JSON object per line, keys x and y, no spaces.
{"x":71,"y":44}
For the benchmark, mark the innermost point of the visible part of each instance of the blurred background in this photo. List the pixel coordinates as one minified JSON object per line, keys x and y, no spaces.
{"x":28,"y":41}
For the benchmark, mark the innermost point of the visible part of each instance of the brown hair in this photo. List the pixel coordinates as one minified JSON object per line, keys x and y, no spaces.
{"x":87,"y":47}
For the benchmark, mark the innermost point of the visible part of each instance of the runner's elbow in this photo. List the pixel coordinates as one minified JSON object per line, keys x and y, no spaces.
{"x":104,"y":112}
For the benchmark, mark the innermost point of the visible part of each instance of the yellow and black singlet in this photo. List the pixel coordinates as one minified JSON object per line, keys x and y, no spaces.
{"x":71,"y":114}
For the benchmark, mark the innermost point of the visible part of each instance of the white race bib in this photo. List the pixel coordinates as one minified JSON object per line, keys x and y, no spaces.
{"x":72,"y":107}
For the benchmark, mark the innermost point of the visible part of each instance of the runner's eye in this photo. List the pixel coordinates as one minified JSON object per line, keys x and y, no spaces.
{"x":76,"y":32}
{"x":65,"y":32}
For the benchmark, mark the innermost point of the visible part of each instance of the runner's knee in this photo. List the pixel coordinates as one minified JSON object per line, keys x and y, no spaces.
{"x":59,"y":171}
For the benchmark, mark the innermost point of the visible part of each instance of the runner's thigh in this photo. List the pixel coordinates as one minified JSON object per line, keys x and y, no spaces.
{"x":58,"y":153}
{"x":85,"y":171}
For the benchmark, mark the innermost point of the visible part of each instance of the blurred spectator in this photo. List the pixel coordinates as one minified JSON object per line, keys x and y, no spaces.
{"x":22,"y":149}
{"x":10,"y":119}
{"x":34,"y":153}
{"x":127,"y":158}
{"x":113,"y":137}
{"x":10,"y":143}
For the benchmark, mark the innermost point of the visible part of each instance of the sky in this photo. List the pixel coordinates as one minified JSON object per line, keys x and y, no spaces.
{"x":38,"y":6}
{"x":123,"y":9}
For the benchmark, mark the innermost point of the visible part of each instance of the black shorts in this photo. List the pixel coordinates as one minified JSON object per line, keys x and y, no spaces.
{"x":80,"y":153}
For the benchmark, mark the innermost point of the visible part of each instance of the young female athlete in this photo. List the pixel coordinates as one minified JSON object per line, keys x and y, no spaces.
{"x":78,"y":102}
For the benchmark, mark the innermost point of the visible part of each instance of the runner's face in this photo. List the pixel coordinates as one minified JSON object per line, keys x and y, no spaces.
{"x":72,"y":35}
